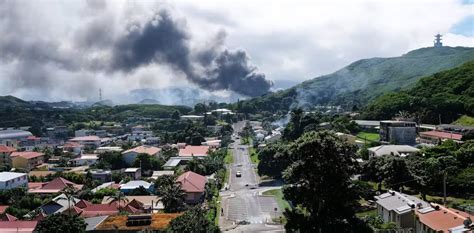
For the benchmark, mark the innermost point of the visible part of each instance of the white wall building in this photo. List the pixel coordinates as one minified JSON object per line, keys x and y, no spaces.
{"x":10,"y":180}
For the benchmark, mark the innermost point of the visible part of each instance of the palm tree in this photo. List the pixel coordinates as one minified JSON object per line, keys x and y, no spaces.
{"x":69,"y":194}
{"x":118,"y":197}
{"x":172,"y":197}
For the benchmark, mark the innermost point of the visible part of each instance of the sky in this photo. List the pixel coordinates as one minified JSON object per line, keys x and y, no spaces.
{"x":67,"y":50}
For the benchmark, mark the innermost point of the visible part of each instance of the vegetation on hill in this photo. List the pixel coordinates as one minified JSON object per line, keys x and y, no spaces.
{"x":465,"y":120}
{"x":362,"y":81}
{"x":445,"y":95}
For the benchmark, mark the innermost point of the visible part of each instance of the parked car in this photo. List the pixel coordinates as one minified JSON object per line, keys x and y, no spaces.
{"x":238,"y":174}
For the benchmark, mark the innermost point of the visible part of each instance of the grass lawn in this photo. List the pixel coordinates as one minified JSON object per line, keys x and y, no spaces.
{"x":369,"y":136}
{"x":465,"y":120}
{"x":282,"y":203}
{"x":218,"y":211}
{"x":229,"y":158}
{"x":253,"y":155}
{"x":366,"y":213}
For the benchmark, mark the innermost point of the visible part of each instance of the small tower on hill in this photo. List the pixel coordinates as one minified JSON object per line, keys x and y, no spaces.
{"x":437,"y":41}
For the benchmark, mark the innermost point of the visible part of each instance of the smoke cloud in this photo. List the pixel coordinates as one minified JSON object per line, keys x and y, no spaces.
{"x":118,"y":47}
{"x":163,"y":40}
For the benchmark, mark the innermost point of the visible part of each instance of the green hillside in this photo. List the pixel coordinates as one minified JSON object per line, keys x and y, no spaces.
{"x":364,"y":80}
{"x":446,"y":95}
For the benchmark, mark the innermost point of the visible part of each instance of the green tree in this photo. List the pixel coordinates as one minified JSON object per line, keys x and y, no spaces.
{"x":62,"y":223}
{"x":274,"y":159}
{"x":119,"y":198}
{"x":319,"y":184}
{"x":193,"y":220}
{"x":172,"y":197}
{"x":69,"y":195}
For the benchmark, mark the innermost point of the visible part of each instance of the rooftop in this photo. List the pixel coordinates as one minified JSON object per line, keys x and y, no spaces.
{"x":14,"y":133}
{"x":132,"y":169}
{"x":26,"y":154}
{"x":442,"y":135}
{"x":442,"y":218}
{"x":85,"y":138}
{"x":192,"y":182}
{"x":135,"y":184}
{"x":18,"y":226}
{"x":150,"y":150}
{"x":6,"y":149}
{"x":158,"y":222}
{"x":194,"y":151}
{"x":399,"y":202}
{"x":398,"y":150}
{"x":5,"y":176}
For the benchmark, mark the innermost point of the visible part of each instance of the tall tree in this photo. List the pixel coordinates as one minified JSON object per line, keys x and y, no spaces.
{"x":193,"y":220}
{"x":62,"y":223}
{"x":319,"y":184}
{"x":118,"y":198}
{"x":172,"y":197}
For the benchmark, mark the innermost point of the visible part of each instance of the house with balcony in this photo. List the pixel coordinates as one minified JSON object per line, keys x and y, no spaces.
{"x":26,"y":160}
{"x":5,"y":152}
{"x":10,"y":180}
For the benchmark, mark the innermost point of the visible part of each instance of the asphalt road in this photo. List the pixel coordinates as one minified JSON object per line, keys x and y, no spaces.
{"x":242,"y":202}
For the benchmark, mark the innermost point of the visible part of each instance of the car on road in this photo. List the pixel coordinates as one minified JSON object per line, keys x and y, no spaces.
{"x":238,"y":174}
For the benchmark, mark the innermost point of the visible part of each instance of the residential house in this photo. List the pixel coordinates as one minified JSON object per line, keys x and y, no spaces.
{"x":73,"y":147}
{"x":399,"y":208}
{"x":89,"y":142}
{"x":174,"y":162}
{"x":3,"y":208}
{"x":134,"y":173}
{"x":55,"y":186}
{"x":134,"y":184}
{"x":10,"y":180}
{"x":139,"y":133}
{"x":149,"y":203}
{"x":26,"y":160}
{"x":129,"y":156}
{"x":434,"y":137}
{"x":85,"y":160}
{"x":214,"y":144}
{"x":396,"y":150}
{"x":58,"y":204}
{"x":18,"y":226}
{"x":101,"y":175}
{"x":157,"y":174}
{"x":368,"y":125}
{"x":104,"y":149}
{"x":194,"y":186}
{"x":439,"y":218}
{"x":193,"y":151}
{"x":398,"y":132}
{"x":5,"y":152}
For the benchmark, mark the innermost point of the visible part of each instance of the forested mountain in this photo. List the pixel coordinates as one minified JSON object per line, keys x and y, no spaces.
{"x":446,"y":95}
{"x":364,"y":80}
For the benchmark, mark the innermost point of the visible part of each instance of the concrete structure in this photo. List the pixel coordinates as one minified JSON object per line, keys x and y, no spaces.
{"x":399,"y":208}
{"x":108,"y":185}
{"x":73,"y":147}
{"x":134,"y":184}
{"x":194,"y":186}
{"x":192,"y":117}
{"x":434,"y":137}
{"x":89,"y":142}
{"x":5,"y":152}
{"x":173,"y":162}
{"x":12,"y":136}
{"x":190,"y":151}
{"x":10,"y":180}
{"x":368,"y":125}
{"x":104,"y":149}
{"x":398,"y":132}
{"x":157,"y":174}
{"x":439,"y":218}
{"x":396,"y":150}
{"x":26,"y":160}
{"x":134,"y":173}
{"x":129,"y":156}
{"x":85,"y":160}
{"x":102,"y":175}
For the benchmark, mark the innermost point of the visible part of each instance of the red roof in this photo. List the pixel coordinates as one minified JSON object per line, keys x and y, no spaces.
{"x":74,"y":210}
{"x":32,"y":138}
{"x":99,"y":210}
{"x":54,"y":186}
{"x":192,"y":182}
{"x":6,"y":149}
{"x":18,"y":226}
{"x":444,"y":218}
{"x":442,"y":135}
{"x":40,"y":216}
{"x":83,"y":204}
{"x":3,"y":208}
{"x":26,"y":154}
{"x":194,"y":151}
{"x":71,"y":145}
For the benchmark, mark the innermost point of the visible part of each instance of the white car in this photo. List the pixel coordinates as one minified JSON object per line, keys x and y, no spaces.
{"x":238,"y":174}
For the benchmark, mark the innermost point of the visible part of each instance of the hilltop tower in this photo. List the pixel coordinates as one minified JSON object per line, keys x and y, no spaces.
{"x":100,"y":94}
{"x":437,"y":41}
